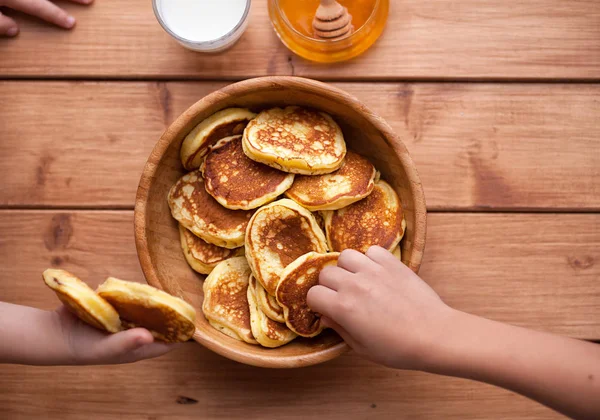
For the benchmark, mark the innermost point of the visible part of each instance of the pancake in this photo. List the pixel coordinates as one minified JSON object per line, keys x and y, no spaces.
{"x":375,"y":220}
{"x":296,"y":280}
{"x":352,"y":182}
{"x":277,"y":234}
{"x":267,"y":332}
{"x":397,"y":252}
{"x":196,"y":210}
{"x":295,"y":140}
{"x":268,"y":304}
{"x":82,"y":301}
{"x":238,"y":182}
{"x":226,"y":299}
{"x":168,"y":318}
{"x":201,"y":255}
{"x":224,"y":123}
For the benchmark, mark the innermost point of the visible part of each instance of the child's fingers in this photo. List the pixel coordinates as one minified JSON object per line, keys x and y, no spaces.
{"x":115,"y":348}
{"x":353,"y":261}
{"x":8,"y":27}
{"x":383,"y":257}
{"x":150,"y":351}
{"x":322,"y":299}
{"x":333,"y":277}
{"x":43,"y":9}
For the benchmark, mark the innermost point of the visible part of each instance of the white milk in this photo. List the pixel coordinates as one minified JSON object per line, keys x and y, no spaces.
{"x":202,"y":21}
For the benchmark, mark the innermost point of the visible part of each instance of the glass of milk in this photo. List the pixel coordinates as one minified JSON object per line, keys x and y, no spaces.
{"x":203,"y":25}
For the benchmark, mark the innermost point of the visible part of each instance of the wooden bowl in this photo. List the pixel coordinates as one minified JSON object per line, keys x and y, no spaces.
{"x":156,"y":232}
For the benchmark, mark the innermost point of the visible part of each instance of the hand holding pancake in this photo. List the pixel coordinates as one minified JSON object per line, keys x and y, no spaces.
{"x":85,"y":345}
{"x":136,"y":314}
{"x":382,"y":309}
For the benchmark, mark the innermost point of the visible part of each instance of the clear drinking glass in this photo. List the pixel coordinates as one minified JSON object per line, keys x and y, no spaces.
{"x":208,"y":46}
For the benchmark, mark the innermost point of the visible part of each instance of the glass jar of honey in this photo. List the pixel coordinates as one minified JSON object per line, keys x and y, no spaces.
{"x":292,"y":21}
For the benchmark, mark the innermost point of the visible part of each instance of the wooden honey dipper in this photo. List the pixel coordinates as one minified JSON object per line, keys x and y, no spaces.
{"x":332,"y":21}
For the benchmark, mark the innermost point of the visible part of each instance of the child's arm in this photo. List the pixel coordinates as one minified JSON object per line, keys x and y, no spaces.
{"x":387,"y":313}
{"x":34,"y":337}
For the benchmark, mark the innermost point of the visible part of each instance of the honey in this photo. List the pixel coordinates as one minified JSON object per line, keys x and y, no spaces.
{"x":292,"y":21}
{"x":300,"y":13}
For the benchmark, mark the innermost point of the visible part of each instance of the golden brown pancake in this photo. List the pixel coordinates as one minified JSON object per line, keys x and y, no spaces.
{"x":224,"y":123}
{"x":295,"y":140}
{"x":195,"y":209}
{"x":267,"y":332}
{"x":238,"y":182}
{"x":352,"y":182}
{"x":296,"y":280}
{"x":277,"y":234}
{"x":168,"y":318}
{"x":226,"y":299}
{"x":82,"y":301}
{"x":268,"y":304}
{"x":201,"y":255}
{"x":375,"y":220}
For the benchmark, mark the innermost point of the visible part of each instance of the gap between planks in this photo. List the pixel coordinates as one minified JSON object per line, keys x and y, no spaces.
{"x":233,"y":79}
{"x":96,"y":208}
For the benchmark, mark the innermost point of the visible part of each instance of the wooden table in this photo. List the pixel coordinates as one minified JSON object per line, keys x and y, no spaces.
{"x":498,"y":103}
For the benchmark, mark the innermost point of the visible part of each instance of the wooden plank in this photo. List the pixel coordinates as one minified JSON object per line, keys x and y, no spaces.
{"x":469,"y":39}
{"x":82,"y":144}
{"x":476,"y":146}
{"x":534,"y":270}
{"x":193,"y":382}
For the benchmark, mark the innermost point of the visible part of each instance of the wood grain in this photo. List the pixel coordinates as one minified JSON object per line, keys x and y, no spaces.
{"x":468,"y":39}
{"x":476,"y":146}
{"x":192,"y":382}
{"x":535,"y":270}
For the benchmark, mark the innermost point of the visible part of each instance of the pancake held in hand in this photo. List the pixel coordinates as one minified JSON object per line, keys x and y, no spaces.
{"x":81,"y":300}
{"x":268,"y":304}
{"x":295,"y":140}
{"x":375,"y":220}
{"x":226,"y":299}
{"x":352,"y":182}
{"x":167,"y":317}
{"x":225,"y":123}
{"x":277,"y":234}
{"x":238,"y":182}
{"x":397,"y":252}
{"x":201,"y":255}
{"x":195,"y":209}
{"x":296,"y":280}
{"x":267,"y":332}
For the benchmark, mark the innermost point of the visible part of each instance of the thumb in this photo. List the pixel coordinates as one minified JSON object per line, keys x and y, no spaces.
{"x":8,"y":27}
{"x":129,"y":346}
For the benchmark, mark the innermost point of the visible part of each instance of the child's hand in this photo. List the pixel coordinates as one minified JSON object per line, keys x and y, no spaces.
{"x":43,"y":9}
{"x":86,"y":345}
{"x":380,"y":307}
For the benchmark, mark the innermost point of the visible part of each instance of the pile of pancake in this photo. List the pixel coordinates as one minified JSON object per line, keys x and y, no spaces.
{"x":269,"y":199}
{"x":118,"y":305}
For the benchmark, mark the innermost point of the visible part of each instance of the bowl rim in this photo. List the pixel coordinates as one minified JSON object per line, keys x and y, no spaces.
{"x":260,"y":83}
